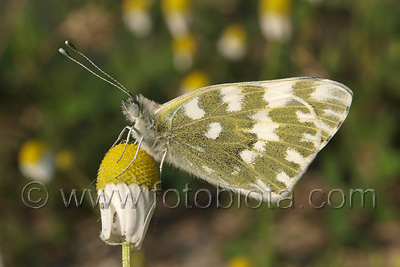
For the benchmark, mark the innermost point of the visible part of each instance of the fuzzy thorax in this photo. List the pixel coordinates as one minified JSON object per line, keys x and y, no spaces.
{"x":140,"y":113}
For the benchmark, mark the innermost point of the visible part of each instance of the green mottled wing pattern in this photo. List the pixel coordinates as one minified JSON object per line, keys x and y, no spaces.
{"x":255,"y":138}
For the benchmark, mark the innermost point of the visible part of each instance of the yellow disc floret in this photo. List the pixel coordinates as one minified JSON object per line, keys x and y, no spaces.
{"x":142,"y":171}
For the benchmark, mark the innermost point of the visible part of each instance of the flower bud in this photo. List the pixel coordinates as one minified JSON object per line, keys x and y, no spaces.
{"x":127,"y":195}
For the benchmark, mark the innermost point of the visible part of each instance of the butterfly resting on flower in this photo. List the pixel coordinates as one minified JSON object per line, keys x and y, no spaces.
{"x":255,"y":138}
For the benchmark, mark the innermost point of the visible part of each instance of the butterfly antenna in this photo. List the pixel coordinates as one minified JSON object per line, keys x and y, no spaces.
{"x":113,"y":81}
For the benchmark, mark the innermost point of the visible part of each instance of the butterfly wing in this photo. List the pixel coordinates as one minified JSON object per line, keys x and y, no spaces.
{"x":256,"y":138}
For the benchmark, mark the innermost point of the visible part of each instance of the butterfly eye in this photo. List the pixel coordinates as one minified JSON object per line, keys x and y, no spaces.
{"x":134,"y":110}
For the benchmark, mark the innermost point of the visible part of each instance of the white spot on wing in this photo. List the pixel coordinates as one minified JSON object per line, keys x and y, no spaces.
{"x":279,"y":96}
{"x":284,"y":178}
{"x":311,"y":138}
{"x":305,"y":117}
{"x":231,"y":95}
{"x":192,"y":109}
{"x":214,"y":130}
{"x":330,"y":112}
{"x":322,"y":92}
{"x":325,"y":127}
{"x":294,"y":156}
{"x":265,"y":131}
{"x":261,"y":116}
{"x":235,"y":104}
{"x":260,"y":146}
{"x":325,"y":92}
{"x":248,"y":156}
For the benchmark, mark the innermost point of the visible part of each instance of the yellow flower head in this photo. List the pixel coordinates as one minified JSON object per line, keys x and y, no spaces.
{"x":64,"y":160}
{"x":128,"y":5}
{"x":175,"y":6}
{"x":240,"y":261}
{"x":32,"y":151}
{"x":236,"y":31}
{"x":194,"y":80}
{"x":183,"y":48}
{"x":184,"y":44}
{"x":142,"y":171}
{"x":136,"y":15}
{"x":233,"y":42}
{"x":36,"y":161}
{"x":177,"y":16}
{"x":281,"y":7}
{"x":275,"y":19}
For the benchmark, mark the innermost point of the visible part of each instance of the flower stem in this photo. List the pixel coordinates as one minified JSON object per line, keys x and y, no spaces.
{"x":126,"y":254}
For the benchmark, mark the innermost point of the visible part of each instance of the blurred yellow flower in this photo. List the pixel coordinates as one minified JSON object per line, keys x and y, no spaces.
{"x":64,"y":160}
{"x":275,"y":19}
{"x":136,"y":4}
{"x":282,"y":7}
{"x":240,"y":261}
{"x":136,"y":16}
{"x":36,"y":161}
{"x":233,"y":43}
{"x":126,"y":196}
{"x":177,"y":16}
{"x":175,"y":6}
{"x":194,"y":80}
{"x":183,"y":48}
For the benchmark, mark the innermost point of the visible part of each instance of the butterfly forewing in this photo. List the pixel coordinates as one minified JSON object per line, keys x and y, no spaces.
{"x":256,"y":137}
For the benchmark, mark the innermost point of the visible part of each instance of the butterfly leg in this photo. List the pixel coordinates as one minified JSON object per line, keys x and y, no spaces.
{"x":134,"y":158}
{"x":162,"y":163}
{"x":120,"y":135}
{"x":126,"y":142}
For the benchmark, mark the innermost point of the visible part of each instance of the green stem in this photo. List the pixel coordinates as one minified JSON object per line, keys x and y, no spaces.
{"x":126,"y":254}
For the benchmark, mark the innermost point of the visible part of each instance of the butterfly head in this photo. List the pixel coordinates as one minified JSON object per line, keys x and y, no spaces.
{"x":140,"y":113}
{"x":132,"y":109}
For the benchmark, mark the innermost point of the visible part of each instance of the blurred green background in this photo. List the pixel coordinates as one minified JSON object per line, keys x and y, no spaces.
{"x":46,"y":97}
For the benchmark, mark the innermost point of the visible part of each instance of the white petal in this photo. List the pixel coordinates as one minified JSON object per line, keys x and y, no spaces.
{"x":125,"y":213}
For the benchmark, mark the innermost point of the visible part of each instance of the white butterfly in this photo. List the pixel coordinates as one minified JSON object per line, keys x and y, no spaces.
{"x":255,"y":138}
